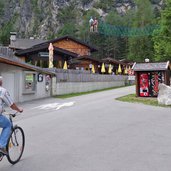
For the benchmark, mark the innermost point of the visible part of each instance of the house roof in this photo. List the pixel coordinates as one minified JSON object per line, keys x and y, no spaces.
{"x":127,"y":61}
{"x":89,"y":58}
{"x":25,"y":43}
{"x":160,"y":66}
{"x":44,"y":47}
{"x":16,"y":62}
{"x":93,"y":49}
{"x":111,"y":60}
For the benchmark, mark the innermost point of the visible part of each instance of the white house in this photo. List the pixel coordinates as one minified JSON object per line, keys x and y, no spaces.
{"x":25,"y":82}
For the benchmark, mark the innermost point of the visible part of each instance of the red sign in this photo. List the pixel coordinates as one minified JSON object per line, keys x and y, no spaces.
{"x":144,"y":84}
{"x":130,"y":72}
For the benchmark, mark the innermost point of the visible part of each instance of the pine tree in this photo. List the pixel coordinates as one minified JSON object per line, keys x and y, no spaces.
{"x":162,"y":36}
{"x":141,"y":47}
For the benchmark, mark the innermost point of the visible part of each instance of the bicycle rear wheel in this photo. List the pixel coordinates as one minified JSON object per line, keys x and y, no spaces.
{"x":15,"y":145}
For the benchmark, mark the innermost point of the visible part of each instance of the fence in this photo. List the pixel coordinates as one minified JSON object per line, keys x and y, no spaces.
{"x":86,"y":76}
{"x":7,"y":52}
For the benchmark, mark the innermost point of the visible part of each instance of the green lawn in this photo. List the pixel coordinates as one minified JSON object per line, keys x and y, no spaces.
{"x":145,"y":100}
{"x":129,"y":98}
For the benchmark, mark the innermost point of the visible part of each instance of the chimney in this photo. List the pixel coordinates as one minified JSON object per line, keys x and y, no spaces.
{"x":13,"y":36}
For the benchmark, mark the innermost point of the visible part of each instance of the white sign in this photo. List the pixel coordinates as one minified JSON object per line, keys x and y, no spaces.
{"x":131,"y":77}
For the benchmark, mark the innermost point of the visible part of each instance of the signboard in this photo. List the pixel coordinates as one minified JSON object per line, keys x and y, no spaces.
{"x":131,"y":77}
{"x":155,"y":79}
{"x":149,"y":83}
{"x":30,"y":81}
{"x":44,"y":54}
{"x":29,"y":77}
{"x":144,"y":84}
{"x":40,"y":77}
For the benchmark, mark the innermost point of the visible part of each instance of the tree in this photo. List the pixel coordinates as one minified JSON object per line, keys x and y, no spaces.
{"x":6,"y":29}
{"x":1,"y":8}
{"x":141,"y":47}
{"x":68,"y":29}
{"x":162,"y":36}
{"x":68,"y":18}
{"x":113,"y":47}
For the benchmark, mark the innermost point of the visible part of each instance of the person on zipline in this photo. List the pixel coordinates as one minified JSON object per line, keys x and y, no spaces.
{"x":95,"y":24}
{"x":91,"y":21}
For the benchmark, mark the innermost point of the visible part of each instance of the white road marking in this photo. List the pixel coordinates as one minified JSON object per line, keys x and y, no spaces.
{"x":55,"y":106}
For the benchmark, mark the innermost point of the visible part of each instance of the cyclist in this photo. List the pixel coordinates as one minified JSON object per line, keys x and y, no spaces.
{"x":5,"y":124}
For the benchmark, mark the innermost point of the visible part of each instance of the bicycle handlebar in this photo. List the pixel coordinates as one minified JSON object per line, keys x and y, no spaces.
{"x":11,"y":114}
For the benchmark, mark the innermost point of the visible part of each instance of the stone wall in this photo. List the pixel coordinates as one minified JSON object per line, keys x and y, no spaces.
{"x":77,"y":87}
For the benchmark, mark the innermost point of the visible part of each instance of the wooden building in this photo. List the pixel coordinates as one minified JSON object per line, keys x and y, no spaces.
{"x":65,"y":49}
{"x":39,"y":56}
{"x":73,"y":45}
{"x":86,"y":63}
{"x":149,"y":75}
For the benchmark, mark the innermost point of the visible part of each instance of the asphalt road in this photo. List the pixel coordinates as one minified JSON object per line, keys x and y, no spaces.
{"x":94,"y":133}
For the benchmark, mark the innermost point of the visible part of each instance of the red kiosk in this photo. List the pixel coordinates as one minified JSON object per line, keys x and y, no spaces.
{"x":149,"y":75}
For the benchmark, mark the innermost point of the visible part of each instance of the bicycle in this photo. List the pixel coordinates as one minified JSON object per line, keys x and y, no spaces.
{"x":16,"y":142}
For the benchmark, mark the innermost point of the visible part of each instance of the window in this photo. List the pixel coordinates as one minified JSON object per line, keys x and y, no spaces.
{"x":29,"y":82}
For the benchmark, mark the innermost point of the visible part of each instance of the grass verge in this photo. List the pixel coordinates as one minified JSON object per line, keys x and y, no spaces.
{"x":145,"y":100}
{"x":84,"y":93}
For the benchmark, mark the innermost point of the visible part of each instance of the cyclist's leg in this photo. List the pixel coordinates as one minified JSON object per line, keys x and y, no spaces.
{"x":5,"y":124}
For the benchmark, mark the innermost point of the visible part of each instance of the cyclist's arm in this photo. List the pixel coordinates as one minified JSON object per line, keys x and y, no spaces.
{"x":15,"y":107}
{"x":7,"y":99}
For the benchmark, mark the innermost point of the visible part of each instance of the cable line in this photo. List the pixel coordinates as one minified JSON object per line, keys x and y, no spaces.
{"x":123,"y":31}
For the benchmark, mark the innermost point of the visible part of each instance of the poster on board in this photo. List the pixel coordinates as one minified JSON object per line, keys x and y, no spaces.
{"x":144,"y":84}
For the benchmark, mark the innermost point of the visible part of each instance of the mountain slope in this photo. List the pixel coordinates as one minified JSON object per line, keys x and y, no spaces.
{"x":44,"y":19}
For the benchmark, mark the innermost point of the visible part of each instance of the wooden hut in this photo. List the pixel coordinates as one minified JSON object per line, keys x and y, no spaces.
{"x":149,"y":75}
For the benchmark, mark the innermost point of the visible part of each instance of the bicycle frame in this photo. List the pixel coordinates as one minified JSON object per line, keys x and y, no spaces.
{"x":13,"y":140}
{"x":10,"y":118}
{"x":13,"y":126}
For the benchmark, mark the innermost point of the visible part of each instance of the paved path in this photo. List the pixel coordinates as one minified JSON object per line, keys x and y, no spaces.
{"x":94,"y":133}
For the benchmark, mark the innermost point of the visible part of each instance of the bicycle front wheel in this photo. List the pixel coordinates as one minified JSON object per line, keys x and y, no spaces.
{"x":15,"y":145}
